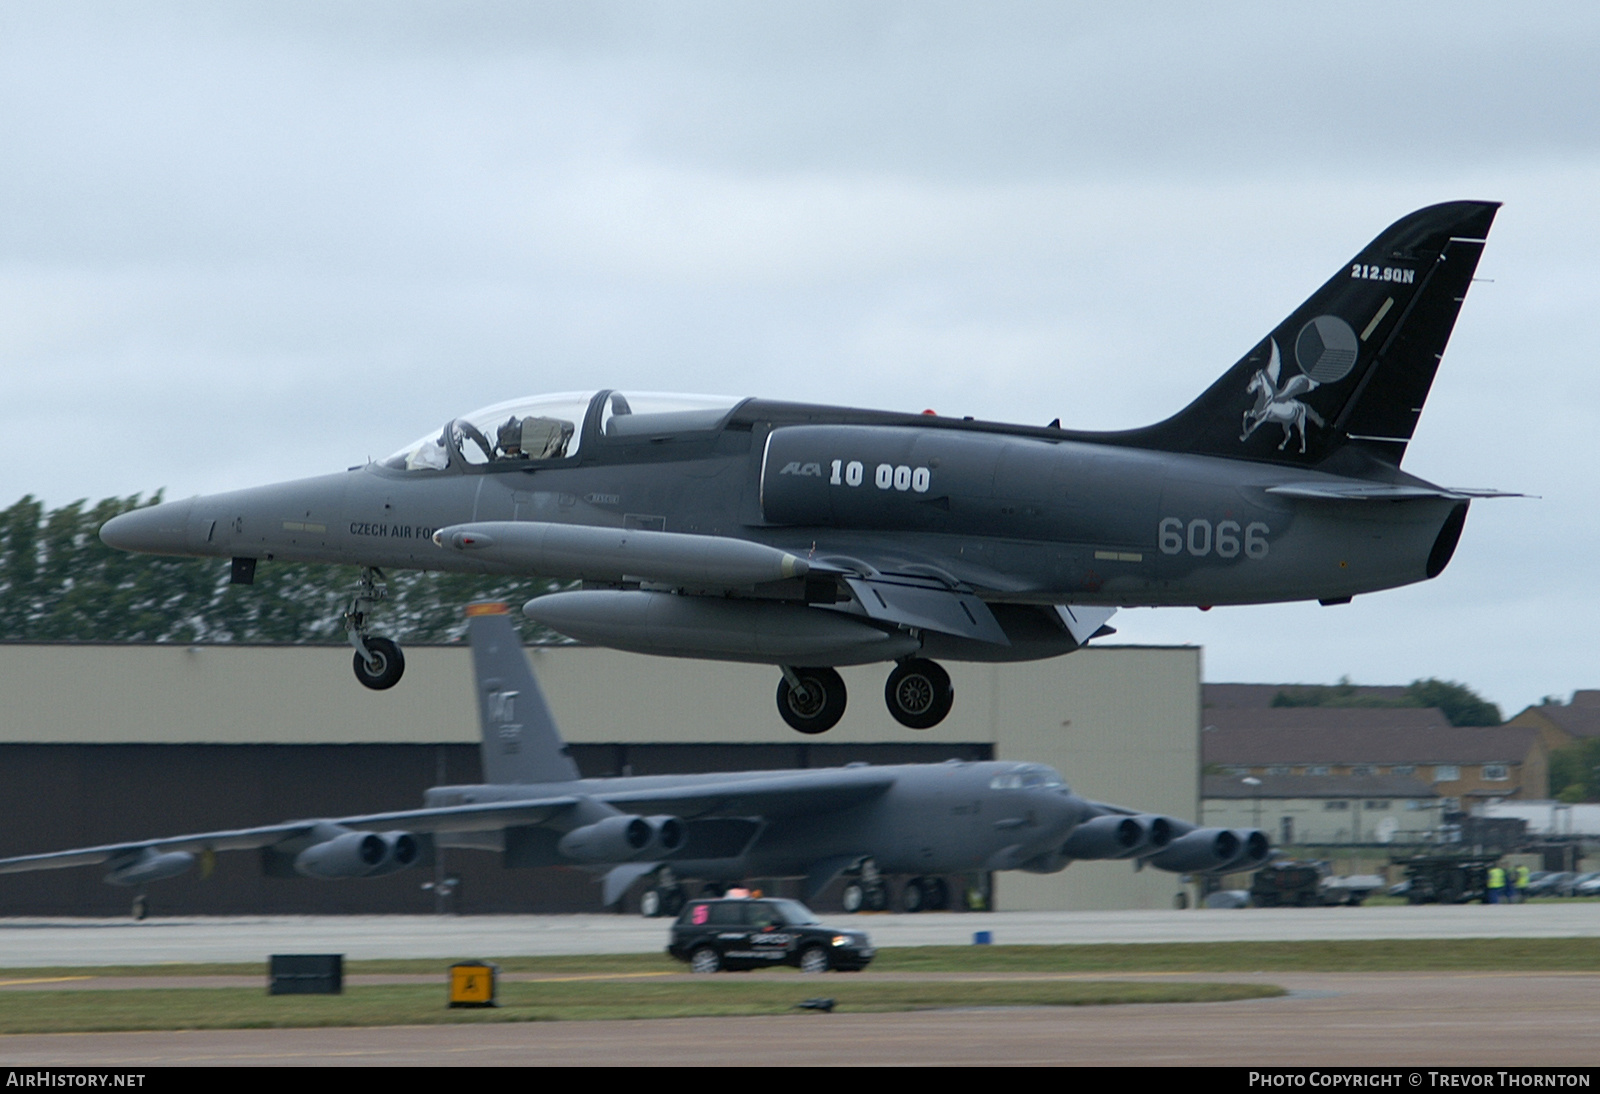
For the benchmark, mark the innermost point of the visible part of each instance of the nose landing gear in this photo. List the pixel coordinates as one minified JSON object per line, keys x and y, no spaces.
{"x":379,"y":664}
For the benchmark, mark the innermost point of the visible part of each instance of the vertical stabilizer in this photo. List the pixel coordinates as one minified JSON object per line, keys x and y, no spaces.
{"x":520,"y":741}
{"x":1354,"y":363}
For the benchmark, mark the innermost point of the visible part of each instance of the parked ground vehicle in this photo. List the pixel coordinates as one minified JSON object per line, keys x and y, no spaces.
{"x":1446,"y":878}
{"x":1308,"y":884}
{"x":753,"y":933}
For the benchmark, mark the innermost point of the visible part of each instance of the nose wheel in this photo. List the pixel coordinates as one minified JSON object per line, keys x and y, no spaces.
{"x":382,"y":665}
{"x":918,"y":693}
{"x":811,"y":700}
{"x":379,"y":664}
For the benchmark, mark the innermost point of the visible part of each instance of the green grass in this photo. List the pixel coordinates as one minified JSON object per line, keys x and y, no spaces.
{"x":1383,"y":955}
{"x":247,"y":1008}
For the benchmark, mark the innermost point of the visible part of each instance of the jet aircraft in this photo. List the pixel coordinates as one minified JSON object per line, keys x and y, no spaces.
{"x":537,"y":810}
{"x":808,"y":536}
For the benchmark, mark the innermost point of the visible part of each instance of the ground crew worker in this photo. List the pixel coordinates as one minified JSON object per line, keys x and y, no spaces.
{"x":1522,"y":884}
{"x":1497,"y":884}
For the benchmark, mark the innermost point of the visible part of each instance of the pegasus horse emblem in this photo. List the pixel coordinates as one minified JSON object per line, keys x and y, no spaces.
{"x":1280,"y":405}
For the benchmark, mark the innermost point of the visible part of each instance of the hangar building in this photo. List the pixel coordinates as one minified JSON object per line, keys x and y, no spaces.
{"x":103,"y":743}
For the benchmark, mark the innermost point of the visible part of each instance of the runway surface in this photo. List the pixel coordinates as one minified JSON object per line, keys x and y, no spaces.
{"x":31,"y":943}
{"x":1330,"y":1019}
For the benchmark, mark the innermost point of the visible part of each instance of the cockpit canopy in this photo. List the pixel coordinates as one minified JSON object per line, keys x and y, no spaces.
{"x":551,"y":427}
{"x":1028,"y":777}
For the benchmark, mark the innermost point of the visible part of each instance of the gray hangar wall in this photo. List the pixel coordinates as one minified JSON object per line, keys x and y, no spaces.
{"x":102,"y":743}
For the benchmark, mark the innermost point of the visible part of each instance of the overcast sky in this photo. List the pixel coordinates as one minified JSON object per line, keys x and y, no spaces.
{"x":247,"y":242}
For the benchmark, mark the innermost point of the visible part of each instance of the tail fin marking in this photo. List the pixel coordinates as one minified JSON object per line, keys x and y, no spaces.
{"x":1353,"y":364}
{"x":521,"y":743}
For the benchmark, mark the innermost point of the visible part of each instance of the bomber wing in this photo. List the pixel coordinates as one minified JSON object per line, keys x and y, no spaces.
{"x":779,"y":795}
{"x":456,"y":818}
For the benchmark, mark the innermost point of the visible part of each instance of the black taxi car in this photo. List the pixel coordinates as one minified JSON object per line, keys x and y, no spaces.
{"x":753,"y":933}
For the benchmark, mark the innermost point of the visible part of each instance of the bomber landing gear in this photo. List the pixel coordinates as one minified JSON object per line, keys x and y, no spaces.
{"x":379,"y":664}
{"x":811,"y":700}
{"x":926,"y":894}
{"x":664,"y":898}
{"x":918,"y":693}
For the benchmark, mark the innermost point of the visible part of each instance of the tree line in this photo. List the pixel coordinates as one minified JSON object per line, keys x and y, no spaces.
{"x":60,"y":583}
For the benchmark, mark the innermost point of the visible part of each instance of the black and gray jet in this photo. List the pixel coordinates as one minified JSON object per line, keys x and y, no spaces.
{"x":809,"y":536}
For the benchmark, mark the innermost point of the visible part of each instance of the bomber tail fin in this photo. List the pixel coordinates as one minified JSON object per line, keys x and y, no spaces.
{"x":1353,"y":364}
{"x":520,"y":741}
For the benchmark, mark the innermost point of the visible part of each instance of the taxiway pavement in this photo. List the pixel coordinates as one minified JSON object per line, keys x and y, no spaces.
{"x":32,"y":943}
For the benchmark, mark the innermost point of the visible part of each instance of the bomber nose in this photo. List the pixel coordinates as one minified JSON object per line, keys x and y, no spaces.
{"x":155,"y":530}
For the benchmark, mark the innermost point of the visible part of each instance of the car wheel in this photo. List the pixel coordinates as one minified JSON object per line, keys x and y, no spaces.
{"x":705,"y":959}
{"x":815,"y":959}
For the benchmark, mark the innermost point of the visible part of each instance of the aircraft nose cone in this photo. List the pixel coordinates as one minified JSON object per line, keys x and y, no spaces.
{"x":155,"y":530}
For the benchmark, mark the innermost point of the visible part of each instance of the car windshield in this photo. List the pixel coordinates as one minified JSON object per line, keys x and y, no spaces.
{"x":547,"y":427}
{"x":793,"y":913}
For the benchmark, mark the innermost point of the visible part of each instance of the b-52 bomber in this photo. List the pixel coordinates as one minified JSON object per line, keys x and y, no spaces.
{"x":536,"y":809}
{"x":809,"y":536}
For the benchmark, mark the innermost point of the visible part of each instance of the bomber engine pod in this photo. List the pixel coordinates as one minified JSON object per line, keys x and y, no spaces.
{"x":623,"y":838}
{"x":1214,"y":850}
{"x":1254,"y":850}
{"x":1118,"y":837}
{"x":149,"y":865}
{"x":359,"y":854}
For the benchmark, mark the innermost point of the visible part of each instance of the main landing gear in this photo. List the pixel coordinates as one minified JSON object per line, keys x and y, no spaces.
{"x":379,"y":664}
{"x":918,"y":695}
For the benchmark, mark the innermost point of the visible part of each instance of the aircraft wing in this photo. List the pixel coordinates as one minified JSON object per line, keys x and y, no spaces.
{"x":454,"y":818}
{"x":768,"y":796}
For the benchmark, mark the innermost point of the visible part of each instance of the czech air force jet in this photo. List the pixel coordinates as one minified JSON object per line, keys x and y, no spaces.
{"x":809,"y":536}
{"x":536,"y":810}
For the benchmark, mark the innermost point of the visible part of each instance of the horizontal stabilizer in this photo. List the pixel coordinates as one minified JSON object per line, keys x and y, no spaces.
{"x":571,"y":551}
{"x":1380,"y":491}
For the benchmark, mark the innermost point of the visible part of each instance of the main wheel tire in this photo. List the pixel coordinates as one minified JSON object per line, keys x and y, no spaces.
{"x":384,"y":669}
{"x":814,"y":959}
{"x":877,"y":899}
{"x":819,"y":707}
{"x":915,"y":897}
{"x":141,"y":907}
{"x":936,"y":894}
{"x":853,"y":898}
{"x":918,"y":693}
{"x":673,"y":900}
{"x":650,"y":904}
{"x":704,"y":960}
